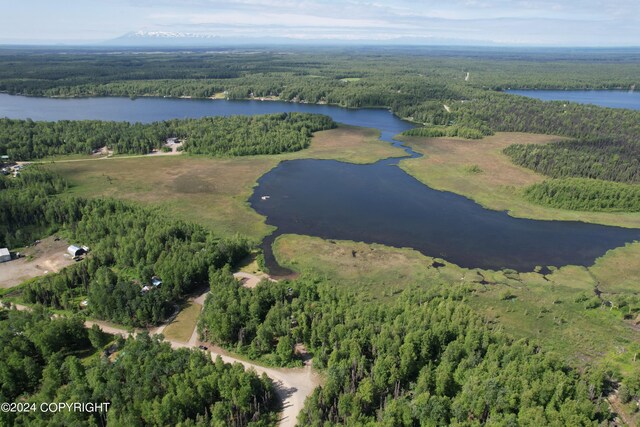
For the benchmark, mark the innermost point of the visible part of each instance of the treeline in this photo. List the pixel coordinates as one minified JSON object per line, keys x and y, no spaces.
{"x":129,"y":245}
{"x":255,"y":322}
{"x":27,"y":210}
{"x":585,"y":195}
{"x":512,"y":113}
{"x":448,"y":131}
{"x":26,"y":139}
{"x":230,"y":136}
{"x":47,"y":72}
{"x":249,"y":135}
{"x":144,"y":380}
{"x":422,"y":359}
{"x":598,"y":159}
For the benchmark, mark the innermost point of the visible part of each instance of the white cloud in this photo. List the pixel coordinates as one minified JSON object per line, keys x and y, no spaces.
{"x":527,"y":21}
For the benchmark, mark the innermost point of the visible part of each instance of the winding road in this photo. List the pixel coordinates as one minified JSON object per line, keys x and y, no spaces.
{"x":292,"y":385}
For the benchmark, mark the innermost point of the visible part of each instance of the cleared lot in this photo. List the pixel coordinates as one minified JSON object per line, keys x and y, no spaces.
{"x":48,"y":256}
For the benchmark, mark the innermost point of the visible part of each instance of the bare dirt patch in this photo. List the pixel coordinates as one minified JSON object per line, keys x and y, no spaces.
{"x":48,"y":256}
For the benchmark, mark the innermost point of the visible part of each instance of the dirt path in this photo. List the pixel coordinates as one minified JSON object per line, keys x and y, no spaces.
{"x":446,"y":107}
{"x":249,"y":280}
{"x":292,"y":385}
{"x":137,"y":156}
{"x":620,"y":411}
{"x":466,"y":78}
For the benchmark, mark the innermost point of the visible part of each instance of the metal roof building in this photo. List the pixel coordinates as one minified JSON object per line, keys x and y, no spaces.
{"x":5,"y":255}
{"x":75,"y":250}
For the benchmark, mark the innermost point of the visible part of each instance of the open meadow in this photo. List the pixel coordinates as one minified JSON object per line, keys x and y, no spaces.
{"x":210,"y":191}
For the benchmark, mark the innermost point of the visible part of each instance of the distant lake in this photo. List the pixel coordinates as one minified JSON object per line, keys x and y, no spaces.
{"x":376,"y":203}
{"x":603,"y":98}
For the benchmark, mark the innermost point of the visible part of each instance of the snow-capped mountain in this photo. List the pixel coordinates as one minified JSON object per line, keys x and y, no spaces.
{"x":165,"y":35}
{"x":186,"y":39}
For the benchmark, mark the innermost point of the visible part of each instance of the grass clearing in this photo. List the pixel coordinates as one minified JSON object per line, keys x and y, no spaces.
{"x":373,"y":268}
{"x":619,"y":270}
{"x":211,"y":191}
{"x":479,"y":170}
{"x":185,"y":322}
{"x":548,"y":308}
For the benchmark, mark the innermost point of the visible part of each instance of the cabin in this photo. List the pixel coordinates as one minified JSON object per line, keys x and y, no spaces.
{"x":5,"y":255}
{"x":75,"y":251}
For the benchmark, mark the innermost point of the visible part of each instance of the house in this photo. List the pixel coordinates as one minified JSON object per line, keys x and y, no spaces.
{"x":75,"y":251}
{"x":4,"y":255}
{"x":155,"y":281}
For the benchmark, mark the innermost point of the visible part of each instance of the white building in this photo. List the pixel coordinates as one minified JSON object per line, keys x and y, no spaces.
{"x":4,"y":255}
{"x":75,"y":250}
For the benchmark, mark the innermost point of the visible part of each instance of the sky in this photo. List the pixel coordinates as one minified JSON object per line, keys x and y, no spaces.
{"x":510,"y":22}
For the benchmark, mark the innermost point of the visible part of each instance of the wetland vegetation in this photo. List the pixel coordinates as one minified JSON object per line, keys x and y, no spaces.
{"x":401,"y":338}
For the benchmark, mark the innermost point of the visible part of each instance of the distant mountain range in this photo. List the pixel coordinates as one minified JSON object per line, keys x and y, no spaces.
{"x":185,"y":39}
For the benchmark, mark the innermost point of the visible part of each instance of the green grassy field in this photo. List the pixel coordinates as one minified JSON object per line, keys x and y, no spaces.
{"x":551,"y":309}
{"x":185,"y":322}
{"x":211,"y":191}
{"x":479,"y":170}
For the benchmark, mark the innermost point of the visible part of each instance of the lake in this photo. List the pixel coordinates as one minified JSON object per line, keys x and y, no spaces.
{"x":377,"y":203}
{"x":603,"y":98}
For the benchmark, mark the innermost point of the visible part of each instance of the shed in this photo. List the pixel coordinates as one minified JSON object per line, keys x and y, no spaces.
{"x":75,"y":250}
{"x":156,"y":281}
{"x":4,"y":255}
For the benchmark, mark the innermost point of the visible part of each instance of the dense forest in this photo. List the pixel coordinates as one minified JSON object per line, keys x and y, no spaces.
{"x":585,"y":195}
{"x":248,"y":135}
{"x":422,"y":359}
{"x":448,"y":131}
{"x":593,"y":175}
{"x":199,"y":72}
{"x":601,"y":159}
{"x":129,"y":245}
{"x":224,"y":136}
{"x":145,"y":382}
{"x":512,"y":113}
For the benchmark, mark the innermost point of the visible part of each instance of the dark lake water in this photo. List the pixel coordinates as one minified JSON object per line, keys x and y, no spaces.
{"x":603,"y":98}
{"x":372,"y":203}
{"x":380,"y":203}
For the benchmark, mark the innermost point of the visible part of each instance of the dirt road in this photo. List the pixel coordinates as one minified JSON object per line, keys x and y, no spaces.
{"x":292,"y":385}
